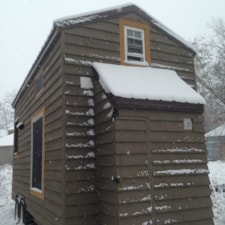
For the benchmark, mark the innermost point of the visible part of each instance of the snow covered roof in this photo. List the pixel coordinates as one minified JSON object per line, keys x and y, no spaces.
{"x":219,"y":131}
{"x":7,"y":140}
{"x":145,"y":83}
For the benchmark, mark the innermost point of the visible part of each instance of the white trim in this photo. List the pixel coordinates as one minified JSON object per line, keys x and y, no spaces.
{"x":138,"y":55}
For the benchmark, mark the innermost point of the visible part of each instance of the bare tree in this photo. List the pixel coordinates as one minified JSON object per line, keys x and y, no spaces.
{"x":7,"y":112}
{"x":210,"y":71}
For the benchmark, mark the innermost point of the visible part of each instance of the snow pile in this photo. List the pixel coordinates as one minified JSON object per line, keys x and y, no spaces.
{"x":217,"y":180}
{"x":145,"y":83}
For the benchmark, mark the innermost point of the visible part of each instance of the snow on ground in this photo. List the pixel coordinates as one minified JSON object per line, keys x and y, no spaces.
{"x":6,"y":203}
{"x":217,"y":179}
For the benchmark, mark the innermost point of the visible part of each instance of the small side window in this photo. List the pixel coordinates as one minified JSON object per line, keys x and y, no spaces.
{"x":39,"y":83}
{"x":15,"y":137}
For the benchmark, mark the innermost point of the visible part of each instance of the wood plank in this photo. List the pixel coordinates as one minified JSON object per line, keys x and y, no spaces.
{"x":90,"y":42}
{"x":81,"y":220}
{"x":106,"y":36}
{"x":182,"y":205}
{"x":130,"y":136}
{"x":137,"y":209}
{"x":176,"y":137}
{"x":187,"y":217}
{"x":90,"y":54}
{"x":180,"y":181}
{"x":184,"y":192}
{"x":74,"y":200}
{"x":133,"y":197}
{"x":132,"y":172}
{"x":131,"y":148}
{"x":131,"y":160}
{"x":130,"y":125}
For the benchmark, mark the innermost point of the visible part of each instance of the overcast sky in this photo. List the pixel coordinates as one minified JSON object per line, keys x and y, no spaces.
{"x":25,"y":25}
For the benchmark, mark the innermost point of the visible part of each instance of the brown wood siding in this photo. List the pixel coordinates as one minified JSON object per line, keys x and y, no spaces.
{"x":85,"y":150}
{"x":79,"y":153}
{"x":162,"y":168}
{"x":49,"y":210}
{"x":93,"y":42}
{"x":83,"y":45}
{"x":80,"y":171}
{"x":105,"y":161}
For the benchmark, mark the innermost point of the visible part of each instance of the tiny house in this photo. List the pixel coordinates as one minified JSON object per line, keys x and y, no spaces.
{"x":109,"y":127}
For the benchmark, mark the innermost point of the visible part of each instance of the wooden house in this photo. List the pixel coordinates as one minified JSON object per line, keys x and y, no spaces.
{"x":215,"y":143}
{"x":95,"y":146}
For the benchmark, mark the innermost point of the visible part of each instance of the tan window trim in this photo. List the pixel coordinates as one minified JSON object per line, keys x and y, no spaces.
{"x":33,"y":191}
{"x":134,"y":24}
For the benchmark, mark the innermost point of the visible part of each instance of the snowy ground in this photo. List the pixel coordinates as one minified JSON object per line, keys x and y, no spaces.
{"x":6,"y":204}
{"x":217,"y":178}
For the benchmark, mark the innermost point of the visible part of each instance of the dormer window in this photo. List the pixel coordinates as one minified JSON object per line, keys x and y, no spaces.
{"x":134,"y":43}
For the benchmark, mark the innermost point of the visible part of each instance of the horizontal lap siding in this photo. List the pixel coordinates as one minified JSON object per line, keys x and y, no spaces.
{"x":49,"y":210}
{"x":85,"y":129}
{"x":162,"y":168}
{"x":167,"y":53}
{"x":134,"y":189}
{"x":80,"y":190}
{"x":105,"y":161}
{"x":180,"y":173}
{"x":95,"y":42}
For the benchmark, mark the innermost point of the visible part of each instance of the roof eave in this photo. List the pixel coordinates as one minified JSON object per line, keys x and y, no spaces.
{"x":157,"y":105}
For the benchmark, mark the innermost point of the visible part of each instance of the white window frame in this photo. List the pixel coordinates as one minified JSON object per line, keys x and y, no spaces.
{"x":138,"y":55}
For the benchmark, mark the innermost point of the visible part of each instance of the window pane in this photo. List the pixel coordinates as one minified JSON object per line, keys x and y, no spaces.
{"x":130,"y":33}
{"x":133,"y":58}
{"x":39,"y":83}
{"x":135,"y":45}
{"x":37,"y":153}
{"x":137,"y":34}
{"x":135,"y":50}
